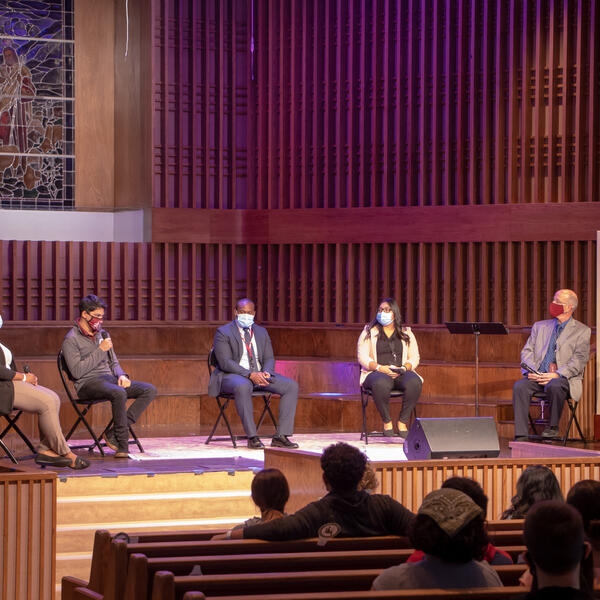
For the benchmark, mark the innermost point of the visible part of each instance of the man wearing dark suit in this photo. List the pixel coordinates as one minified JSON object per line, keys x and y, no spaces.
{"x":559,"y":349}
{"x":245,"y":363}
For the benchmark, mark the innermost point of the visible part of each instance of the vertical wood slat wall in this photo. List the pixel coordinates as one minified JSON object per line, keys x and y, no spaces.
{"x":410,"y":481}
{"x":374,"y":103}
{"x":318,"y":283}
{"x":28,"y":525}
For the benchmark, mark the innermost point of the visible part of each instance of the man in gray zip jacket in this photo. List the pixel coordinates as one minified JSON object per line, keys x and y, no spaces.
{"x":93,"y":364}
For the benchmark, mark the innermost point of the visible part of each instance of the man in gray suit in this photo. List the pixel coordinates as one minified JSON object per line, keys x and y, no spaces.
{"x":245,"y":363}
{"x":558,"y":349}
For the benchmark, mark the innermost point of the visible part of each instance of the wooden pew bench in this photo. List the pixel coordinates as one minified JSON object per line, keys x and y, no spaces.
{"x":495,"y":593}
{"x":167,"y":586}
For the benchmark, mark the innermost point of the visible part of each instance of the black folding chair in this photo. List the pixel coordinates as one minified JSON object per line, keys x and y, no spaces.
{"x":76,"y":402}
{"x":12,"y":424}
{"x":540,"y":400}
{"x":223,"y":401}
{"x":365,"y":394}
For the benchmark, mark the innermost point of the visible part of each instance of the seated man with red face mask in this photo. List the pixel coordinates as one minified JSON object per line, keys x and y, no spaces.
{"x":556,"y":353}
{"x":89,"y":354}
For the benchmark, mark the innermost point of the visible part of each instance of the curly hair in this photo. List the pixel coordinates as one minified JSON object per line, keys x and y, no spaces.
{"x":343,"y":467}
{"x":536,"y":483}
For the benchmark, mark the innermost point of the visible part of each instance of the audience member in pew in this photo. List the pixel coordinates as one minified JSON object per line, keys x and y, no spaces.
{"x":368,"y":482}
{"x":556,"y":354}
{"x":471,"y":488}
{"x":20,"y":391}
{"x":558,"y":555}
{"x":270,"y":492}
{"x":388,"y":355}
{"x":584,"y":496}
{"x":450,"y":530}
{"x":92,"y":362}
{"x":345,"y":511}
{"x":536,"y":483}
{"x":245,"y":363}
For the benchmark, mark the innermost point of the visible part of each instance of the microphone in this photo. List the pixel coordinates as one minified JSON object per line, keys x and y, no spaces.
{"x":26,"y":369}
{"x":111,"y":356}
{"x":400,"y":370}
{"x":526,"y":367}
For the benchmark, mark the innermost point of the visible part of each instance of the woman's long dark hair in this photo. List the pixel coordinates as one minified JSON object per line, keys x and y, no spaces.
{"x":397,"y":321}
{"x":537,"y":482}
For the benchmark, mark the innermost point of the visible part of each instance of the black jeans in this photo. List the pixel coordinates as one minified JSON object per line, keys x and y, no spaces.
{"x":107,"y":387}
{"x":381,"y":385}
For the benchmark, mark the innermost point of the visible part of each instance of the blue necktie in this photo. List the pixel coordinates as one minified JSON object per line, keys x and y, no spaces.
{"x":551,"y":352}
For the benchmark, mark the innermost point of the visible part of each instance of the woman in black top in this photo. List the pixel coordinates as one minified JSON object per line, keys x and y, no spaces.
{"x":388,"y":355}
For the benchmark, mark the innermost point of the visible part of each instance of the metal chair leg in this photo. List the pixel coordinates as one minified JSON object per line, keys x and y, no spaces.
{"x":8,"y":452}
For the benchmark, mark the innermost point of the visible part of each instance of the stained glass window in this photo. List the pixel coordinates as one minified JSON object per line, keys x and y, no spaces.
{"x":37,"y":156}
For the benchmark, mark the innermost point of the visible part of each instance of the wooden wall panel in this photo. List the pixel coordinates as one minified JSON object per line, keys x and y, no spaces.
{"x":28,"y":523}
{"x":312,"y":104}
{"x":324,"y":283}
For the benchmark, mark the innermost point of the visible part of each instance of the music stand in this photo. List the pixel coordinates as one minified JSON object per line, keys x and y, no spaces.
{"x":477,"y":328}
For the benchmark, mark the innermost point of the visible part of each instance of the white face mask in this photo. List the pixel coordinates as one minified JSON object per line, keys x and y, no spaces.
{"x":245,"y":320}
{"x":1,"y":322}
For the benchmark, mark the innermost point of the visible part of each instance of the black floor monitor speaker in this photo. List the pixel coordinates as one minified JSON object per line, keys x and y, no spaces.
{"x":470,"y":437}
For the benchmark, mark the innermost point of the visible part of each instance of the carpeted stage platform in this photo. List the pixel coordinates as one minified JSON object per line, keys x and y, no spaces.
{"x":191,"y":455}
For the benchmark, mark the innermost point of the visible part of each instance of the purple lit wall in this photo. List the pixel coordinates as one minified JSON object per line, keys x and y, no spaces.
{"x":375,"y":103}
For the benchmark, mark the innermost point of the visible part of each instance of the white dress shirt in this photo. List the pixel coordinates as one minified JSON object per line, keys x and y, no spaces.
{"x":245,"y":361}
{"x":7,"y":354}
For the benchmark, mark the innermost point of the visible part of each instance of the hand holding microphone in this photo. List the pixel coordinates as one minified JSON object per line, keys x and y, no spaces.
{"x":106,"y":343}
{"x":29,"y":377}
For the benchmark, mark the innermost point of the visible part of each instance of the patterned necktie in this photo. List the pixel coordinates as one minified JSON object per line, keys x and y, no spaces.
{"x":248,"y":341}
{"x":551,"y":352}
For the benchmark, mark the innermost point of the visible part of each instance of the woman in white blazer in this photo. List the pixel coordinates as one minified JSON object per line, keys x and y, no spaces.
{"x":388,"y":355}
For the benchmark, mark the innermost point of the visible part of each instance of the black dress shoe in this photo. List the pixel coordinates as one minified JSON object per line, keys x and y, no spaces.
{"x":45,"y":460}
{"x":254,"y":443}
{"x":282,"y":441}
{"x":550,"y":432}
{"x":521,"y":438}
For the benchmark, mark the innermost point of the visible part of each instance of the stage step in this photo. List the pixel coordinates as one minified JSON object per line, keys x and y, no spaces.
{"x":135,"y":503}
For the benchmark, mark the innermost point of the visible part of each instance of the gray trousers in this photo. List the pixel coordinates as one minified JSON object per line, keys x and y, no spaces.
{"x":242,"y":388}
{"x":557,"y":391}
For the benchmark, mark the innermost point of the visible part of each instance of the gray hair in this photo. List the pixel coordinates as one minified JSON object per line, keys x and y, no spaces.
{"x":569,"y":297}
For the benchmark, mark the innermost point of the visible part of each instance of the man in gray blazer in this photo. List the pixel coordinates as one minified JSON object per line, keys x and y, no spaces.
{"x":245,"y":363}
{"x":558,"y":349}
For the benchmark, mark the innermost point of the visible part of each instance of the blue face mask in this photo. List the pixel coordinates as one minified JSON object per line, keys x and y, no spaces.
{"x":385,"y":318}
{"x":245,"y":320}
{"x":1,"y":321}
